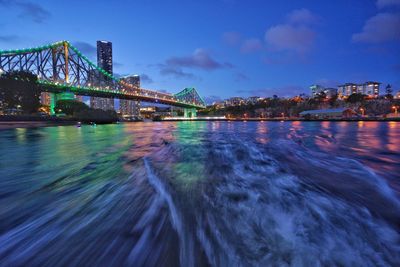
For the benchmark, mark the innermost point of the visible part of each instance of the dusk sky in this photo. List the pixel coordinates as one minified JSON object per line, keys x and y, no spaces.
{"x":223,"y":48}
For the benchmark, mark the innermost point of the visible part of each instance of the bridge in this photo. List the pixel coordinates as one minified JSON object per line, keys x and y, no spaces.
{"x":62,"y":69}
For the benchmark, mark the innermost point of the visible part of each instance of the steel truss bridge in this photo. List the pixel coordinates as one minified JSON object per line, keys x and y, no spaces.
{"x":61,"y":68}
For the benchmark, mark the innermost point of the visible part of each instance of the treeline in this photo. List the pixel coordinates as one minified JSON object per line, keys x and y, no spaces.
{"x":82,"y":112}
{"x":20,"y":91}
{"x":20,"y":94}
{"x":278,"y":107}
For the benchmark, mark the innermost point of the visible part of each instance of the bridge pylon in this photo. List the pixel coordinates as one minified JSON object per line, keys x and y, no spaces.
{"x":54,"y":97}
{"x":190,"y":112}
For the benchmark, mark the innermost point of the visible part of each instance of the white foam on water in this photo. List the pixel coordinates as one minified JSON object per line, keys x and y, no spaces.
{"x":185,"y":240}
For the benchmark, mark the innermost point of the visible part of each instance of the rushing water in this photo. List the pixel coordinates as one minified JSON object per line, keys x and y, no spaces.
{"x":201,"y":194}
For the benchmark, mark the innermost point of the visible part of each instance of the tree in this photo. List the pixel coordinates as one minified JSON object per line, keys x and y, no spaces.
{"x":389,"y":92}
{"x":96,"y":115}
{"x":332,"y":100}
{"x":70,"y":107}
{"x":20,"y":90}
{"x":355,"y":98}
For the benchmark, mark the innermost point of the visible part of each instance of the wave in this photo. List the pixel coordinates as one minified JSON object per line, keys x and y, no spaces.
{"x":281,"y":204}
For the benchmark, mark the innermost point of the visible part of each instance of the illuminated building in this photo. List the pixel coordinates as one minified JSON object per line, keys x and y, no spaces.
{"x":316,"y":90}
{"x":45,"y":99}
{"x":104,"y":56}
{"x":253,"y":99}
{"x":234,"y":101}
{"x":370,"y":89}
{"x":130,"y":107}
{"x":347,"y":89}
{"x":104,"y":61}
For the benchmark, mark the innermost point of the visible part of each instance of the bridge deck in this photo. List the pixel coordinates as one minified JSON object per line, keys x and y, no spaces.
{"x":99,"y":92}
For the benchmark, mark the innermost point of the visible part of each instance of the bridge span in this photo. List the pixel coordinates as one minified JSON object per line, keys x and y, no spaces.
{"x":61,"y":68}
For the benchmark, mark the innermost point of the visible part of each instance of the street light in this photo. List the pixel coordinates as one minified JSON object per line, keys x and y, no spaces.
{"x":362,"y":111}
{"x":395,"y":109}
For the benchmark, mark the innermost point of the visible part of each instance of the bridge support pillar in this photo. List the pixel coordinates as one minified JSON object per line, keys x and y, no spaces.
{"x":61,"y":96}
{"x":53,"y":100}
{"x":189,"y":112}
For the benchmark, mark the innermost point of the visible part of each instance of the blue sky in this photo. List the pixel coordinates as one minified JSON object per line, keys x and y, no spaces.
{"x":222,"y":47}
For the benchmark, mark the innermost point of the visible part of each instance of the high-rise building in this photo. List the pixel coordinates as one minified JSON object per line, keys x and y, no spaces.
{"x":104,"y":56}
{"x":370,"y":89}
{"x":104,"y":61}
{"x":316,"y":90}
{"x":347,"y":89}
{"x":129,"y":108}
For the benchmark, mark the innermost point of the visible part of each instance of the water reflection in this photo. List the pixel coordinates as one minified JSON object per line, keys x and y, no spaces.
{"x":201,"y":194}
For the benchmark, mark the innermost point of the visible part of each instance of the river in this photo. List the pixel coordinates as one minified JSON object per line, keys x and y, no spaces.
{"x":201,"y":194}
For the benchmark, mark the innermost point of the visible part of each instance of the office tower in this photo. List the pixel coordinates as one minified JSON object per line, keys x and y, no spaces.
{"x":129,"y":108}
{"x":104,"y":61}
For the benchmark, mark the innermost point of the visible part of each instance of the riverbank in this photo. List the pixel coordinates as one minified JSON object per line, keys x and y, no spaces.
{"x":280,"y":119}
{"x":4,"y":125}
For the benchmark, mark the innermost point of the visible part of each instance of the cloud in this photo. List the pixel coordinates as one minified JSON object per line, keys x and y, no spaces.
{"x":301,"y":16}
{"x":9,"y":38}
{"x":284,"y":91}
{"x":296,"y":35}
{"x":199,"y":59}
{"x":231,"y":38}
{"x":146,"y":78}
{"x":175,"y":72}
{"x":239,"y":77}
{"x":86,"y":48}
{"x":251,"y":45}
{"x":380,"y":28}
{"x":387,"y":3}
{"x":28,"y":9}
{"x":287,"y":37}
{"x":211,"y":99}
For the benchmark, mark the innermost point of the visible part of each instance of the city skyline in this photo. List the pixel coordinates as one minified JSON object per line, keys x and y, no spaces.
{"x":256,"y":49}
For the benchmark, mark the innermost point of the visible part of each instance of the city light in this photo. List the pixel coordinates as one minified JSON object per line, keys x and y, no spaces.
{"x":362,"y":111}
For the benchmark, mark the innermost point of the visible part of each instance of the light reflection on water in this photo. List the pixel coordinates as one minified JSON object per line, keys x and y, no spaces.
{"x":200,"y":194}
